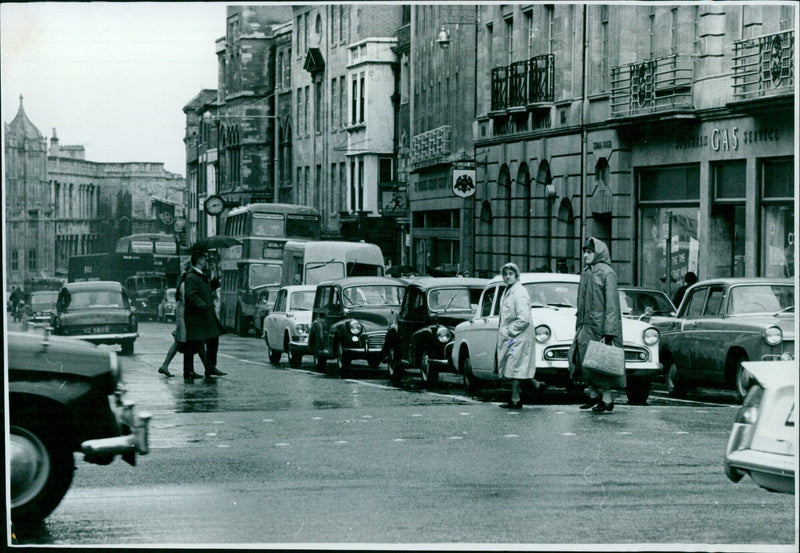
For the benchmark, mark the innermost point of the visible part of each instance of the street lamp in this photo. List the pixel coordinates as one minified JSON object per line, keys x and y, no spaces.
{"x":443,"y":38}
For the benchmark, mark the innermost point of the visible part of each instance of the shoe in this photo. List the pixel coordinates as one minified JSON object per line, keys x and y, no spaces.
{"x":192,"y":375}
{"x":165,"y":372}
{"x":610,"y":406}
{"x":592,"y":402}
{"x":603,"y":406}
{"x":512,"y":405}
{"x":215,"y":372}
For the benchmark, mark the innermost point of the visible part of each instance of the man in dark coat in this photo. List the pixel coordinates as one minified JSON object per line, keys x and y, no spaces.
{"x":598,"y":318}
{"x":202,"y":324}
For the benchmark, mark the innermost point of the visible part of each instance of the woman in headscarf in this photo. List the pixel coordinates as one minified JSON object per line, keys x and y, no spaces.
{"x":598,"y":318}
{"x":515,"y":340}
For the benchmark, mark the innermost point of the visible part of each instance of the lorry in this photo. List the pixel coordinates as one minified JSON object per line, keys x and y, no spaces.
{"x":145,"y":281}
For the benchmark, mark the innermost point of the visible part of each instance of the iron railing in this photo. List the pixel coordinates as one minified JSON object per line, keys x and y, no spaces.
{"x":763,"y":66}
{"x":523,"y":83}
{"x":430,"y":147}
{"x":652,"y":86}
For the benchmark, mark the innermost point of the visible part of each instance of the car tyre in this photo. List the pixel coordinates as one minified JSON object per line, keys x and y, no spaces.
{"x":675,"y":388}
{"x":471,"y":383}
{"x":342,"y":361}
{"x":395,"y":365}
{"x":743,"y":380}
{"x":127,"y":347}
{"x":50,"y":465}
{"x":274,"y":356}
{"x":430,"y":376}
{"x":320,"y":363}
{"x":638,"y":390}
{"x":295,"y":358}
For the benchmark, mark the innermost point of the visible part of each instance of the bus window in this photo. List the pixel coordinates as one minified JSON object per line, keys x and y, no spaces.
{"x":169,"y":248}
{"x":302,"y":226}
{"x":141,"y":246}
{"x":261,"y":275}
{"x":267,"y":224}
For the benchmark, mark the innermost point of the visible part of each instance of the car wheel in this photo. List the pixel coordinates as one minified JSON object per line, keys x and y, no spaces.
{"x":395,"y":365}
{"x":295,"y":359}
{"x":430,"y":376}
{"x":127,"y":347}
{"x":342,"y":360}
{"x":637,"y":390}
{"x":320,"y":363}
{"x":471,"y":383}
{"x":274,"y":356}
{"x":41,"y":465}
{"x":242,"y":324}
{"x":675,"y":387}
{"x":743,"y":380}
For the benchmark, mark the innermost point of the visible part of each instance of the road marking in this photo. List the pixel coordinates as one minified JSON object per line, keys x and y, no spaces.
{"x":267,"y":420}
{"x":398,"y":439}
{"x":623,"y":433}
{"x":416,"y":415}
{"x":316,"y":418}
{"x":681,"y":432}
{"x":281,"y":444}
{"x":211,"y":433}
{"x":511,"y":436}
{"x":223,"y":445}
{"x":340,"y":442}
{"x":568,"y":434}
{"x":465,"y":414}
{"x":455,"y":437}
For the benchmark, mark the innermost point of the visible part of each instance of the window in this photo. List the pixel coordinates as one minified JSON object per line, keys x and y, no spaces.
{"x":334,"y":103}
{"x":318,"y":106}
{"x":714,"y":302}
{"x":318,"y":189}
{"x":353,"y":186}
{"x":360,"y":184}
{"x":279,"y":71}
{"x":334,"y":195}
{"x":354,"y":101}
{"x":32,"y":259}
{"x":361,"y":97}
{"x":509,"y":40}
{"x":299,"y":25}
{"x":727,"y":244}
{"x":651,"y":22}
{"x":550,"y":21}
{"x":694,"y":305}
{"x":342,"y":186}
{"x":384,"y":169}
{"x":14,"y":260}
{"x":530,"y":34}
{"x":334,"y":25}
{"x":342,"y":102}
{"x":306,"y":102}
{"x":299,"y":112}
{"x":287,"y":70}
{"x":604,"y":72}
{"x":673,"y":48}
{"x":777,"y":218}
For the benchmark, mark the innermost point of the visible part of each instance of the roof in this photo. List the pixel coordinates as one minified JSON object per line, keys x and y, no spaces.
{"x":93,"y":285}
{"x":299,"y":288}
{"x":361,"y":281}
{"x":428,"y":283}
{"x":746,"y":280}
{"x":21,"y":125}
{"x":527,"y":278}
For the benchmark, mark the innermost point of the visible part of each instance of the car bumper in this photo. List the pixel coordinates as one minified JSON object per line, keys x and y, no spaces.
{"x":365,"y":345}
{"x":300,"y":344}
{"x":116,"y":338}
{"x":134,"y":440}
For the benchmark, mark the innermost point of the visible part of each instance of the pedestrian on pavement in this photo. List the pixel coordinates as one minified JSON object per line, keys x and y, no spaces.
{"x":598,"y":318}
{"x":202,"y":325}
{"x":688,"y":279}
{"x":515,"y":340}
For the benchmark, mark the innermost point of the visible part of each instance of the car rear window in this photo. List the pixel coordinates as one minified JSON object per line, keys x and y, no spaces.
{"x":96,"y":299}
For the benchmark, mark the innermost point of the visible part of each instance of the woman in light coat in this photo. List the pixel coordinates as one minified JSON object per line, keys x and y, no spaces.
{"x":516,"y":338}
{"x":598,"y":318}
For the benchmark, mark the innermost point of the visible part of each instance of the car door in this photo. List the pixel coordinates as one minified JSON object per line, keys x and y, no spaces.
{"x":483,"y":335}
{"x":709,"y":342}
{"x":684,"y":343}
{"x":272,"y":321}
{"x":333,"y":314}
{"x":411,"y":320}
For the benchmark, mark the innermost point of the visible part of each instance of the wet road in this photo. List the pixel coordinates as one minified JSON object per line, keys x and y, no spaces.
{"x":274,"y":455}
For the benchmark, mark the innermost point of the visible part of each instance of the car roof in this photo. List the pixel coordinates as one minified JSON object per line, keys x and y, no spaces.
{"x":93,"y":285}
{"x":358,"y":281}
{"x":745,"y":280}
{"x":628,"y":288}
{"x":299,"y":288}
{"x":428,"y":283}
{"x":528,"y":278}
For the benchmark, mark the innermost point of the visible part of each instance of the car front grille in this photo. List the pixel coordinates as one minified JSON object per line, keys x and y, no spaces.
{"x":375,"y":341}
{"x":632,"y":354}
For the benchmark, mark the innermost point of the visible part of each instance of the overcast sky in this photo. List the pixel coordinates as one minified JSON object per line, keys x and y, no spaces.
{"x":113,"y":77}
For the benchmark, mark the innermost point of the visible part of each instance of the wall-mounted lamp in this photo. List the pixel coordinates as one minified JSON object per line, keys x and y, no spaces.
{"x":443,"y":38}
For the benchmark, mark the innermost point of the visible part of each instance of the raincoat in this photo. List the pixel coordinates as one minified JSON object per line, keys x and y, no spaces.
{"x":198,"y":303}
{"x":598,"y":315}
{"x":516,"y":338}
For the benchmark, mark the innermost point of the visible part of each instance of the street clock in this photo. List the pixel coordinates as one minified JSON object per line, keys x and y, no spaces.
{"x":214,"y":205}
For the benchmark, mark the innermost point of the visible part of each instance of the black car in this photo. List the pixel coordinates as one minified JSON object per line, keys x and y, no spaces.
{"x":423,"y":334}
{"x":350,"y":319}
{"x":64,"y":397}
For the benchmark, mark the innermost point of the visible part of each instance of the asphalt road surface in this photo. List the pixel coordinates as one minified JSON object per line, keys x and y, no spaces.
{"x":274,"y":456}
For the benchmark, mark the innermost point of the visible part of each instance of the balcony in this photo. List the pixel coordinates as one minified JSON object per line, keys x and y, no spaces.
{"x":430,"y":147}
{"x":523,"y":84}
{"x":652,"y":87}
{"x":763,"y":68}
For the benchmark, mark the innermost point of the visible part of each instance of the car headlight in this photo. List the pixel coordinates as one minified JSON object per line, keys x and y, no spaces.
{"x":443,"y":334}
{"x":543,"y":333}
{"x":773,"y":335}
{"x":301,"y":329}
{"x":650,"y":336}
{"x":355,"y":327}
{"x":748,"y":414}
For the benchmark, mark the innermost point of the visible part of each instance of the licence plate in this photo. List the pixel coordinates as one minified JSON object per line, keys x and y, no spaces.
{"x":99,"y":330}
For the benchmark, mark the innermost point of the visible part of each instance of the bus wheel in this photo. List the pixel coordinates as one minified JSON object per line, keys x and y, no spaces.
{"x":242,"y":324}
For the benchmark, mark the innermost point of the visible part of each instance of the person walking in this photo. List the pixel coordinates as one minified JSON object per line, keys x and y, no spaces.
{"x":688,"y":279}
{"x":598,"y":318}
{"x":202,"y":325}
{"x":515,"y":340}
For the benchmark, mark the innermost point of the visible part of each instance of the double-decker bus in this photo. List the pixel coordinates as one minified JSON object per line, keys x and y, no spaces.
{"x":164,"y":247}
{"x":252,"y":273}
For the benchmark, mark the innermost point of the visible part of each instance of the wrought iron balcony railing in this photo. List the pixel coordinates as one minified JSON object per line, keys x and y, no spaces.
{"x":523,"y":83}
{"x":763,"y":66}
{"x":430,"y":147}
{"x":652,"y":86}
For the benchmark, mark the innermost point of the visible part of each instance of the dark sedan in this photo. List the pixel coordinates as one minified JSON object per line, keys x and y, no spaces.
{"x":423,"y":334}
{"x":721,"y":324}
{"x":350,"y":319}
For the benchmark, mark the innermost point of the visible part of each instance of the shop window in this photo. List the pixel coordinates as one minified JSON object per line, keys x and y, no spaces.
{"x":728,"y":231}
{"x":777,"y":218}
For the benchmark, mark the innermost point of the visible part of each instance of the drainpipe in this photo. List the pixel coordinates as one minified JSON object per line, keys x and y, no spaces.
{"x":583,"y":136}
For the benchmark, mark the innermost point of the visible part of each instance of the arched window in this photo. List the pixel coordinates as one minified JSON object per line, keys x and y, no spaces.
{"x":565,"y":252}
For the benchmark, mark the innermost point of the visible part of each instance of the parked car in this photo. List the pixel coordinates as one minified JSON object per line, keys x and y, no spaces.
{"x":265,"y":301}
{"x":42,"y":306}
{"x":554,"y":299}
{"x":286,"y":327}
{"x":641,"y":303}
{"x":98,"y":312}
{"x":350,"y":319}
{"x":166,"y":307}
{"x":763,"y":442}
{"x":423,"y":334}
{"x":64,"y":396}
{"x":722,"y":323}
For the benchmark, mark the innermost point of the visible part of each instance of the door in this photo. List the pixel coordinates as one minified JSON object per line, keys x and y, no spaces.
{"x":684,"y":342}
{"x":708,"y":344}
{"x":272,"y":327}
{"x":410,"y":320}
{"x":482,"y":338}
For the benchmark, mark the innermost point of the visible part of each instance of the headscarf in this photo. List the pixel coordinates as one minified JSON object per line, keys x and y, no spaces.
{"x":600,"y":250}
{"x":512,"y":266}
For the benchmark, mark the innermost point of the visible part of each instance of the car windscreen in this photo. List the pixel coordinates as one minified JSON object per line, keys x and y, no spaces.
{"x":302,"y":301}
{"x":638,"y":302}
{"x":43,"y":300}
{"x":761,"y":298}
{"x":453,"y":299}
{"x":556,"y":294}
{"x":261,"y":275}
{"x":96,"y":299}
{"x":372,"y":294}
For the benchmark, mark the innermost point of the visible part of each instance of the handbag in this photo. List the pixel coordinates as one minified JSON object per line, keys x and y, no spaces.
{"x":604,"y":358}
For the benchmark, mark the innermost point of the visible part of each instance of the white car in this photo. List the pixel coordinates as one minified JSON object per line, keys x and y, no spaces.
{"x":763,"y":442}
{"x":286,"y":326}
{"x":553,"y":306}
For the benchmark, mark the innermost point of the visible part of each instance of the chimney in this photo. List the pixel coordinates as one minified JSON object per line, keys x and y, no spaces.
{"x":54,"y":147}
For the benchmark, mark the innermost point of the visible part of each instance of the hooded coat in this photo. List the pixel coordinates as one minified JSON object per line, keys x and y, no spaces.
{"x":516,"y":337}
{"x":599,"y":314}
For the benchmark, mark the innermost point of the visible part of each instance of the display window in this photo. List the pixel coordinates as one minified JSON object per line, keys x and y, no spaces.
{"x":728,"y":218}
{"x":777,"y":218}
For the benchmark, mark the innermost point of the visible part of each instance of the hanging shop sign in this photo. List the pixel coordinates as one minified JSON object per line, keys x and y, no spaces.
{"x":464,"y":180}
